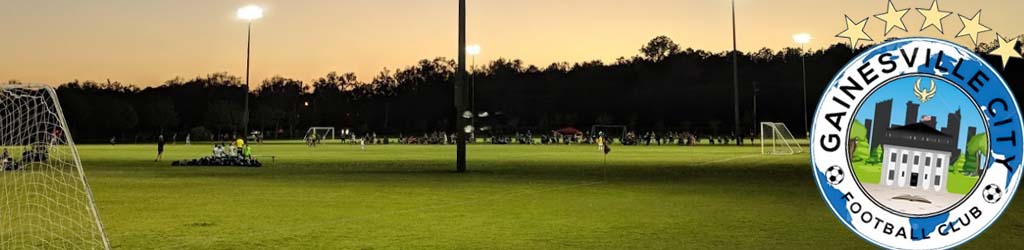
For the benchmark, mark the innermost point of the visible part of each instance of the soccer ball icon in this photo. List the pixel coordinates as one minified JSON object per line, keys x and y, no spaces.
{"x":992,"y":193}
{"x":835,"y":175}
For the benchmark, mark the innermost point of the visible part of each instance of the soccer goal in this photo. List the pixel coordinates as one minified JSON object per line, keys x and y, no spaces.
{"x":321,"y":133}
{"x":777,"y":140}
{"x":45,"y":200}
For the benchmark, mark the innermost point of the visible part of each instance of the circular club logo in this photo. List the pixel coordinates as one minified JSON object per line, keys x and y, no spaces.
{"x":916,"y":144}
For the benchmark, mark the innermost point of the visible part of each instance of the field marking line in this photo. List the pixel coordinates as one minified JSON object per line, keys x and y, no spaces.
{"x":669,"y":170}
{"x":726,"y":160}
{"x":293,"y":230}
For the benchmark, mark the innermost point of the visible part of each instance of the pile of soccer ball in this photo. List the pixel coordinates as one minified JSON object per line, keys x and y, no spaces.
{"x":218,"y":162}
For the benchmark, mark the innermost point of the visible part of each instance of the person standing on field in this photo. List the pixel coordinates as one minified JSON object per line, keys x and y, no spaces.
{"x":160,"y":147}
{"x":240,"y":145}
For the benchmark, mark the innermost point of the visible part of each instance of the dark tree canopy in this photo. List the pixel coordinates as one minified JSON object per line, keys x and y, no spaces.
{"x":663,"y":89}
{"x":659,"y":48}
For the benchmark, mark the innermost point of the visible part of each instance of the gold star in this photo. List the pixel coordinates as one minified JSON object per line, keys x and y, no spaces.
{"x":893,"y":18}
{"x":1006,"y":50}
{"x":972,"y":27}
{"x":933,"y":17}
{"x":855,"y":32}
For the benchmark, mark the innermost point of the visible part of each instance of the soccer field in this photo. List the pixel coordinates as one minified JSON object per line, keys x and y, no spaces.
{"x":514,"y":197}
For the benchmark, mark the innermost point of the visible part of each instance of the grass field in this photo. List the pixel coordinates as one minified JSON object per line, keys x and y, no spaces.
{"x":514,"y":197}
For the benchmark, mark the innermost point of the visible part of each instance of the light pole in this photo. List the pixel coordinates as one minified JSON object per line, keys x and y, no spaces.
{"x":249,"y":13}
{"x":735,"y":77}
{"x":756,"y":92}
{"x":803,"y":39}
{"x":461,"y":119}
{"x":473,"y":51}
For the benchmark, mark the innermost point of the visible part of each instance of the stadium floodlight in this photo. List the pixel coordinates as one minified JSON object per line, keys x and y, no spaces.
{"x":803,"y":39}
{"x":251,"y":12}
{"x":473,"y":50}
{"x":46,"y":201}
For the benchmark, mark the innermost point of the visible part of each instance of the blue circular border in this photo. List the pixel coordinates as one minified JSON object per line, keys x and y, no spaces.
{"x":995,"y":77}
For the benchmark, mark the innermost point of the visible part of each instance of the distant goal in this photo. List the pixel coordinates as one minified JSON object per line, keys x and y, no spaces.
{"x":45,"y":200}
{"x":321,"y":133}
{"x":776,"y":139}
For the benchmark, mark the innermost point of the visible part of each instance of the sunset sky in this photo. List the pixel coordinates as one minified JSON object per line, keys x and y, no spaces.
{"x":146,"y":42}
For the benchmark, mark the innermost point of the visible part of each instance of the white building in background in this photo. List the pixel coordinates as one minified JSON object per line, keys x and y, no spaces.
{"x":917,"y":156}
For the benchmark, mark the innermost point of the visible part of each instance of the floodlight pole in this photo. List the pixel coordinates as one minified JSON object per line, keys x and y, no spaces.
{"x":248,"y":49}
{"x":803,"y":69}
{"x":472,"y":93}
{"x":756,"y":92}
{"x":735,"y":74}
{"x":460,"y":94}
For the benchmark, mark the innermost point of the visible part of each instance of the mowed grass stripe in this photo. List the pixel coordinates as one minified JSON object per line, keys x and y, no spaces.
{"x":514,"y":197}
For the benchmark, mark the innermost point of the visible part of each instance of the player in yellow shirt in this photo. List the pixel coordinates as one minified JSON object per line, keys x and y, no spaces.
{"x":240,"y":145}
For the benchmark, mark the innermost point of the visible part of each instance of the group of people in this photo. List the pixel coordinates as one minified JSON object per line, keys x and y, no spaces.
{"x":444,"y":138}
{"x":629,"y":138}
{"x":435,"y":138}
{"x":313,"y":139}
{"x":236,"y":149}
{"x":34,"y":153}
{"x":237,"y":153}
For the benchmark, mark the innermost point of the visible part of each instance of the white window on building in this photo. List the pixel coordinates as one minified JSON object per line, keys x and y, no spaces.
{"x":937,"y":180}
{"x":904,"y":158}
{"x":893,"y":158}
{"x":917,"y":159}
{"x":892,"y":174}
{"x":927,"y":161}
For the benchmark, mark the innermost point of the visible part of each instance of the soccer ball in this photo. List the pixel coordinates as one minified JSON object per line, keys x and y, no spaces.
{"x":992,"y":193}
{"x":835,"y":175}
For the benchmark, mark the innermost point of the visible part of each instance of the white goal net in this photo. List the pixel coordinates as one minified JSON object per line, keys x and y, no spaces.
{"x":776,"y":139}
{"x":321,"y":133}
{"x":45,"y":201}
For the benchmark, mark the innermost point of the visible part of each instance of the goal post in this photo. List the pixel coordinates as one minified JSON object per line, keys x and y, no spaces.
{"x":321,"y":133}
{"x":45,"y":199}
{"x":776,"y":139}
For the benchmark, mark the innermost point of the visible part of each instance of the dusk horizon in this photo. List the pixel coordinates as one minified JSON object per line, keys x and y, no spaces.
{"x":145,"y":44}
{"x":527,"y":124}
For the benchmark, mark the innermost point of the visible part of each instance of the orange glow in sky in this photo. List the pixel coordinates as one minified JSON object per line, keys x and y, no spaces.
{"x":148,"y":42}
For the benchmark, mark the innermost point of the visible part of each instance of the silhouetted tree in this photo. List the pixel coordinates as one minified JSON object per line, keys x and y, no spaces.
{"x":659,"y":48}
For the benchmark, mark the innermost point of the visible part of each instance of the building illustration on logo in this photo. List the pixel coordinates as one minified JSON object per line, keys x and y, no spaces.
{"x":916,"y":155}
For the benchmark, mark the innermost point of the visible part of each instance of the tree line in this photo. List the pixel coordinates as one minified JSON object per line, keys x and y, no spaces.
{"x":663,"y":88}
